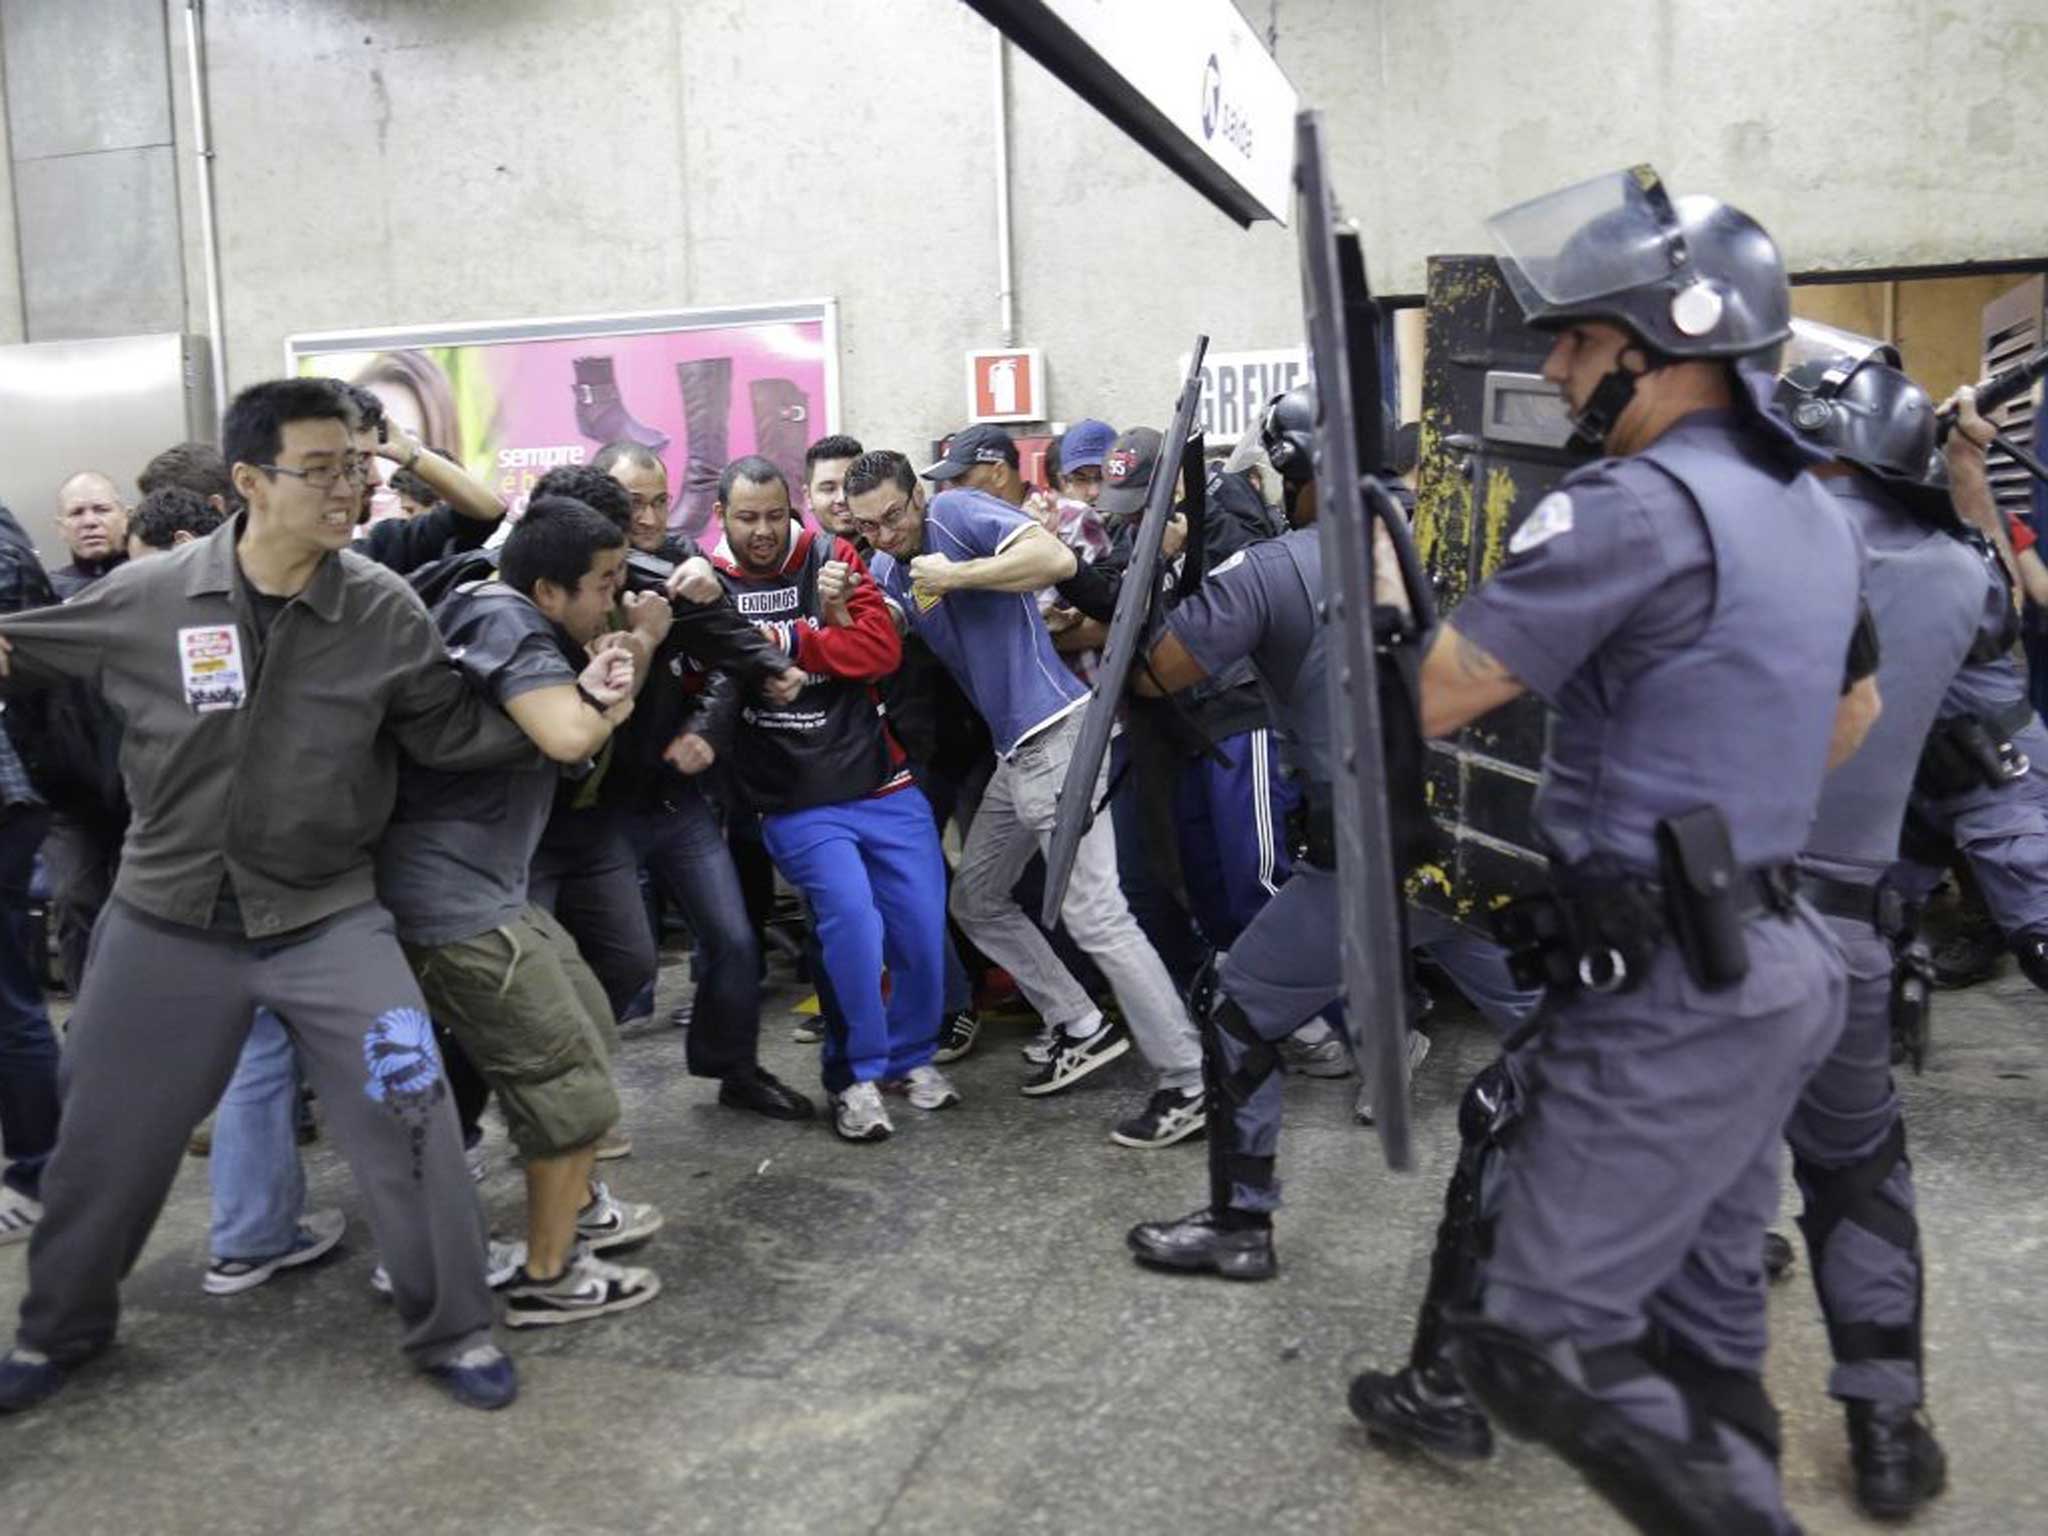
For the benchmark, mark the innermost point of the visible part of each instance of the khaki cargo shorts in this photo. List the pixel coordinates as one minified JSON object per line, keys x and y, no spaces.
{"x":531,"y":1016}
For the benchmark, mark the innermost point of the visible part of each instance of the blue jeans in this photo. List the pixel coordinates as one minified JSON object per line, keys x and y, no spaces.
{"x":876,"y":882}
{"x":259,"y":1185}
{"x":684,"y":853}
{"x":28,"y":1051}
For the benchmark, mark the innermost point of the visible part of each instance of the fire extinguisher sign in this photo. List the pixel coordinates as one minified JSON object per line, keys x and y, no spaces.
{"x":1006,"y":385}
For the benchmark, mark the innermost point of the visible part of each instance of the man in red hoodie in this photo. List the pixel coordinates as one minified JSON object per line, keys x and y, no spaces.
{"x":839,"y":813}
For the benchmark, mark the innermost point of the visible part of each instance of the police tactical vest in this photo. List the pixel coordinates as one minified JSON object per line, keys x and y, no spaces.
{"x":828,"y":744}
{"x":1926,"y":591}
{"x":1740,"y":718}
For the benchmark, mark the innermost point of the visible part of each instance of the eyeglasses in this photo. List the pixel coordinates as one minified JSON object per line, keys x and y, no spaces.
{"x":324,"y":477}
{"x":891,"y":519}
{"x":648,"y":503}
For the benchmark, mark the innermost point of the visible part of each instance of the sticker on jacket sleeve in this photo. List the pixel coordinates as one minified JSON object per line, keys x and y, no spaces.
{"x":1553,"y":515}
{"x":210,"y":660}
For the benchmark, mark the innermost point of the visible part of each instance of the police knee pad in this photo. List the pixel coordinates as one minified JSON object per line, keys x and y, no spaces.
{"x":1243,"y":1058}
{"x":2031,"y":950}
{"x":1855,"y":1193}
{"x":1722,"y":1393}
{"x":1533,"y":1389}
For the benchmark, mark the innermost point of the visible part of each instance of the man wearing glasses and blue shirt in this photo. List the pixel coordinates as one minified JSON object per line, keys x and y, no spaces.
{"x":963,"y":575}
{"x":267,"y":679}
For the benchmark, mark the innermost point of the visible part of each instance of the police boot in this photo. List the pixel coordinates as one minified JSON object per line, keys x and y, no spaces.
{"x":1899,"y":1463}
{"x":2031,"y":950}
{"x":1237,"y":1245}
{"x":1967,"y":958}
{"x":1428,"y":1409}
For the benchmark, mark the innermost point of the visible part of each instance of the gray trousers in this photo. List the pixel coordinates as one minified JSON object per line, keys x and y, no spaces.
{"x":1645,"y":1169}
{"x":1013,"y":822}
{"x":155,"y":1037}
{"x":1863,"y":1244}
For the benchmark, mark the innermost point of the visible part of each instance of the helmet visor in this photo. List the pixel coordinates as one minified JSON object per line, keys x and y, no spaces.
{"x":1614,"y":232}
{"x":1819,"y":352}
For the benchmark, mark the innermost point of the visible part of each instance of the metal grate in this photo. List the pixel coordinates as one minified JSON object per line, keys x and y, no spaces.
{"x":2013,"y":324}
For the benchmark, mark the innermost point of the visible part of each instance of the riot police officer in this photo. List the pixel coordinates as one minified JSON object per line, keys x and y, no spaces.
{"x":1285,"y":967}
{"x":1672,"y":603}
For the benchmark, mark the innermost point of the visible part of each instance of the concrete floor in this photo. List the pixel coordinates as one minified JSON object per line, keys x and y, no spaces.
{"x":943,"y":1334}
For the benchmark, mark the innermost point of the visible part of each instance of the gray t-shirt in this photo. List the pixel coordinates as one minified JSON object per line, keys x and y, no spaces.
{"x":453,"y":863}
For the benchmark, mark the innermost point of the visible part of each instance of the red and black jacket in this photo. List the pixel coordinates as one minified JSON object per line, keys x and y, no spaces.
{"x":831,"y":744}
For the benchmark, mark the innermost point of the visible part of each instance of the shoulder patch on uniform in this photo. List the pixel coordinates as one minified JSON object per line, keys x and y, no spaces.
{"x":1232,"y":563}
{"x":1552,"y":516}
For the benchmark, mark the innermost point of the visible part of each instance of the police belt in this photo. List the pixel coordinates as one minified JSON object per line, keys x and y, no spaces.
{"x":1878,"y":906}
{"x":1602,"y":933}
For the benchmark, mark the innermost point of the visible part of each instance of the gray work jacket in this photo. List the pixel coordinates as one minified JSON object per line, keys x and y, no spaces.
{"x":284,"y":783}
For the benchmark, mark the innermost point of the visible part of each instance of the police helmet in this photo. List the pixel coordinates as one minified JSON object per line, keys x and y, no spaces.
{"x":1691,"y":277}
{"x":1849,"y":394}
{"x":1287,"y":431}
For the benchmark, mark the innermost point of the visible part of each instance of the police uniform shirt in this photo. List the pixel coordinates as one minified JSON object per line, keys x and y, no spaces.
{"x":1612,"y":573}
{"x":454,"y":862}
{"x":1253,"y":606}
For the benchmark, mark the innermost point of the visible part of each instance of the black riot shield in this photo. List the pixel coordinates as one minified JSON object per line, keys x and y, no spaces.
{"x":1344,"y":360}
{"x":1493,"y":445}
{"x":1129,"y":631}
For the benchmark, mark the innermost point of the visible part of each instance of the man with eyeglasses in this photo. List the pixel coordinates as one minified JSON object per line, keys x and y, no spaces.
{"x":639,"y":469}
{"x":964,"y":575}
{"x":268,"y":680}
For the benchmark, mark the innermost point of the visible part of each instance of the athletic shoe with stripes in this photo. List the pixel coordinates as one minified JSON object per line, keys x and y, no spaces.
{"x":587,"y":1287}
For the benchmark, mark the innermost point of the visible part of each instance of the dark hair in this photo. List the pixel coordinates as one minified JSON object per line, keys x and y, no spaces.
{"x":1052,"y":465}
{"x":194,"y":467}
{"x":753,"y":469}
{"x":412,"y":488}
{"x":591,"y":486}
{"x":879,"y":468}
{"x":368,"y":409}
{"x":170,"y":510}
{"x":625,"y":450}
{"x":1405,"y":449}
{"x":837,"y":446}
{"x":253,"y":430}
{"x":555,"y":541}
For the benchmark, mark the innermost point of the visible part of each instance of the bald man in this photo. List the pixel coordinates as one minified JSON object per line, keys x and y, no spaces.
{"x":92,"y":520}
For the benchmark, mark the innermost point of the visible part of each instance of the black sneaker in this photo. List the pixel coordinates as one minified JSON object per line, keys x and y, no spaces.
{"x":1400,"y":1409}
{"x":1074,"y":1059}
{"x":1778,"y":1256}
{"x":1975,"y":954}
{"x":957,"y":1036}
{"x":1168,"y":1116}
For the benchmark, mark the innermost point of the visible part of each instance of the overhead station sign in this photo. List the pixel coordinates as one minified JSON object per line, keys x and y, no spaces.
{"x":1188,"y":79}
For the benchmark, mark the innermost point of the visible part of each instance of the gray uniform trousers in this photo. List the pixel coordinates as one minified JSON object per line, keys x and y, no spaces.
{"x":2003,"y":832}
{"x":1866,"y":1259}
{"x":155,"y":1037}
{"x":1645,"y":1168}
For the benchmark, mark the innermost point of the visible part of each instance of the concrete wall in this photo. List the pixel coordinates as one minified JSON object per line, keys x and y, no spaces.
{"x":384,"y":162}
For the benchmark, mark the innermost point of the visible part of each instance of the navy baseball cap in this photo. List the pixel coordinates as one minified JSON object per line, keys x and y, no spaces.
{"x":1085,"y":445}
{"x":980,"y":444}
{"x":1127,"y":472}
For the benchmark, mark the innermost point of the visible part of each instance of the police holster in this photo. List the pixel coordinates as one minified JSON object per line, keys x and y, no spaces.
{"x":1601,"y":932}
{"x":1973,"y":752}
{"x":1885,"y":909}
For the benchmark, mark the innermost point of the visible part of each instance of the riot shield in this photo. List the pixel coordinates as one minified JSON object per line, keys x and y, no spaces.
{"x":1128,"y":631}
{"x":1344,"y":361}
{"x":1493,"y":445}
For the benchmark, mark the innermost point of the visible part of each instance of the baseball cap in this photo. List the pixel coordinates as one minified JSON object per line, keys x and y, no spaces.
{"x":1085,"y":444}
{"x":980,"y":444}
{"x":1127,"y":472}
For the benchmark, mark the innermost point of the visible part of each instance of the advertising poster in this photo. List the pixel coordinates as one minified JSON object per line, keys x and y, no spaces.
{"x":510,"y":400}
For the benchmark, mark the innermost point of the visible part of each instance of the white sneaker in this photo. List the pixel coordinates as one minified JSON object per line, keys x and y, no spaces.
{"x":607,"y":1222}
{"x":18,"y":1215}
{"x":502,"y":1260}
{"x":318,"y":1233}
{"x":857,"y":1114}
{"x":588,"y":1287}
{"x":929,"y":1088}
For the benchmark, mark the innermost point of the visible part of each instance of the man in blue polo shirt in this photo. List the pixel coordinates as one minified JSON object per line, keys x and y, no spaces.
{"x":963,"y":575}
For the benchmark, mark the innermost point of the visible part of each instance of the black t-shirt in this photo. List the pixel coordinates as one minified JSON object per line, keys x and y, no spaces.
{"x":404,"y":544}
